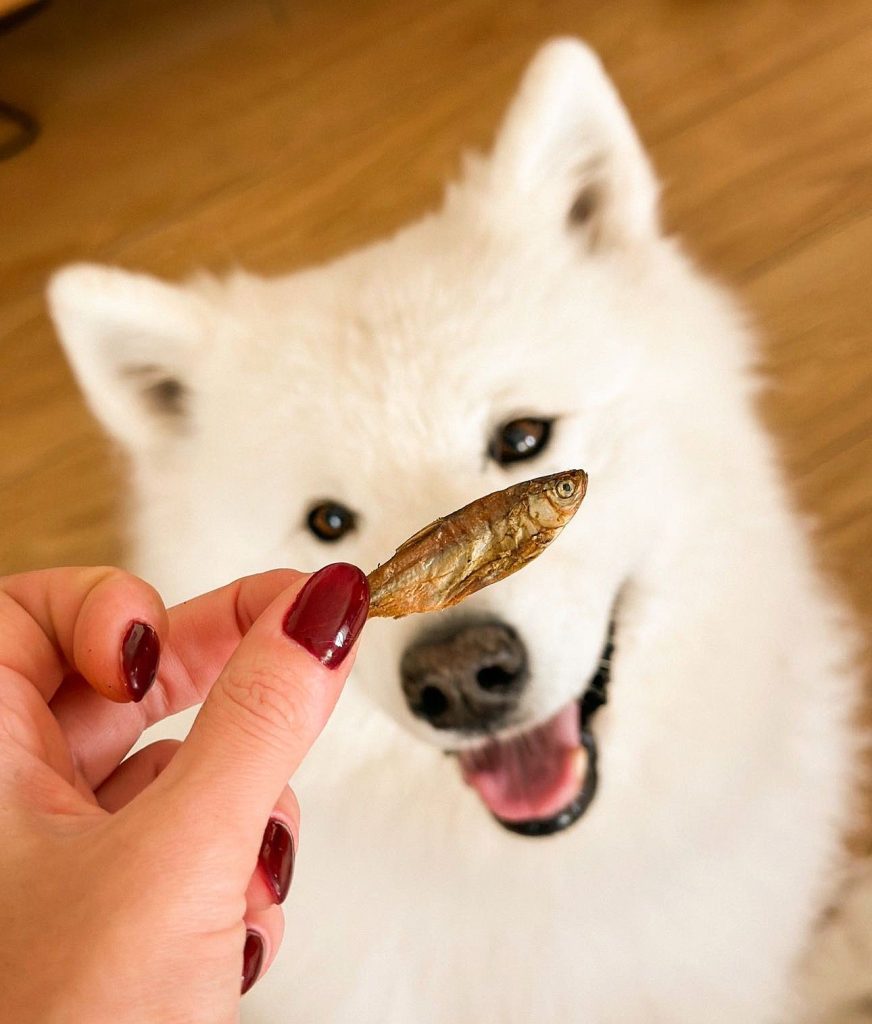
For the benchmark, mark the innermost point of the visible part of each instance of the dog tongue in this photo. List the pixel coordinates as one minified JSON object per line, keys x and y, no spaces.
{"x":531,"y":776}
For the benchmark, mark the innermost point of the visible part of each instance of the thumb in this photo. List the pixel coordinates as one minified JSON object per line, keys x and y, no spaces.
{"x":271,"y":701}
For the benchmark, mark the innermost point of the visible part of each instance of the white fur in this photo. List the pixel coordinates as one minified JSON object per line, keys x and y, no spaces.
{"x":689,"y":890}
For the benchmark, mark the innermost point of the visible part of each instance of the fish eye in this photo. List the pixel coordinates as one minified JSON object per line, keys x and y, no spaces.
{"x":565,"y":488}
{"x":330,"y":521}
{"x":520,"y":439}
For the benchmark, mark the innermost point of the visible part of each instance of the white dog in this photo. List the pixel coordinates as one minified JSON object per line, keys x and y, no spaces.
{"x":662,"y":858}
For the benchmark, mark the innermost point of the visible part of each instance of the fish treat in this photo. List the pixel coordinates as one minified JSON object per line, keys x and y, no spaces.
{"x":479,"y":544}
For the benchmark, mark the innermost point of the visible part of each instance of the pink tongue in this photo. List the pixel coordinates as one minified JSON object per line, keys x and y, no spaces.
{"x":531,"y":776}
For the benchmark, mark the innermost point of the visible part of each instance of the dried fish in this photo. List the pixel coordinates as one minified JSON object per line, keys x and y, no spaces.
{"x":479,"y":544}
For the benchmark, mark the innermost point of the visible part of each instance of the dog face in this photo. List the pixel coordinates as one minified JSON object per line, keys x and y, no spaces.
{"x":327,"y":416}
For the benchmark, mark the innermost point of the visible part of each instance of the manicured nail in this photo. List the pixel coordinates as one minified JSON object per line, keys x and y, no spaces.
{"x":252,"y":959}
{"x":329,"y":612}
{"x":140,"y":654}
{"x":277,"y":857}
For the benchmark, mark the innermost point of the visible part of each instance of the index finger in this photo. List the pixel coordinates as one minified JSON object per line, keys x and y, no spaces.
{"x":203,"y":633}
{"x":98,"y":621}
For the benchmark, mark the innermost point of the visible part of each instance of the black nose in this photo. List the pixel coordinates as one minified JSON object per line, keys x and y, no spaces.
{"x":469,"y":680}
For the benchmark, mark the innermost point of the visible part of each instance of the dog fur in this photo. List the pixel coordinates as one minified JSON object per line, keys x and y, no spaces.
{"x":544,"y":286}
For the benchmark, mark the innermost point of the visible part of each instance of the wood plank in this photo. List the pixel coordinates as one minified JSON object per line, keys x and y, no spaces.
{"x":151,"y":110}
{"x":10,"y":6}
{"x":814,"y":308}
{"x":768,"y":170}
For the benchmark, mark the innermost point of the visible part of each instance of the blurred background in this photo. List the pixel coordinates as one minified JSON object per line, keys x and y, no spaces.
{"x":169,"y":135}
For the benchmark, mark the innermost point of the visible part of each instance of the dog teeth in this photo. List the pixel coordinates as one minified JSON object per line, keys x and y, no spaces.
{"x":579,"y":764}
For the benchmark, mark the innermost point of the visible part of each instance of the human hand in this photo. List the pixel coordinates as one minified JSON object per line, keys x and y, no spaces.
{"x":147,"y":890}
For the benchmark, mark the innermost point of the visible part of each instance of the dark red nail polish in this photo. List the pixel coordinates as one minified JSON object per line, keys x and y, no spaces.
{"x":276,"y":857}
{"x":252,"y":959}
{"x":329,"y":612}
{"x":140,"y":654}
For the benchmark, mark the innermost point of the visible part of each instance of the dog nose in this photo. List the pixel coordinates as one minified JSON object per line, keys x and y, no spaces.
{"x":469,"y":680}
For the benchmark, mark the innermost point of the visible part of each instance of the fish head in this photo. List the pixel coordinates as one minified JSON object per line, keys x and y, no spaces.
{"x":557,"y":499}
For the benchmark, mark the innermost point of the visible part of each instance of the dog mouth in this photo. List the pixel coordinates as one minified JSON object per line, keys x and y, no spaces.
{"x":543,"y":780}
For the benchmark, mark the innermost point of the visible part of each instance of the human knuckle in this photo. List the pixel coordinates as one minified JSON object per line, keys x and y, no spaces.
{"x":101,"y":584}
{"x":266,"y":701}
{"x":101,"y":575}
{"x":106,"y":578}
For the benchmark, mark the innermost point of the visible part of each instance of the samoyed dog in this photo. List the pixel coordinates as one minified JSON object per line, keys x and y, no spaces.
{"x":612,"y":789}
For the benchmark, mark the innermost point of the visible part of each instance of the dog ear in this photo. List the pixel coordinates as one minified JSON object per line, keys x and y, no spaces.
{"x":568,"y":151}
{"x":132,"y":341}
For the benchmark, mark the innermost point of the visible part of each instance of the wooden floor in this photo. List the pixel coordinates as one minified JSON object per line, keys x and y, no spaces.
{"x":187,"y":133}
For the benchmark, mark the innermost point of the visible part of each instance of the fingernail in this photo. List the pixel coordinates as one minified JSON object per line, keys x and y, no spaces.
{"x":329,"y":612}
{"x":140,"y":654}
{"x":252,"y":959}
{"x":277,"y":857}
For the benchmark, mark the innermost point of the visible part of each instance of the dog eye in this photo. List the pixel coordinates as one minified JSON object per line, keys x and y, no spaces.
{"x":329,"y":521}
{"x":520,"y":439}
